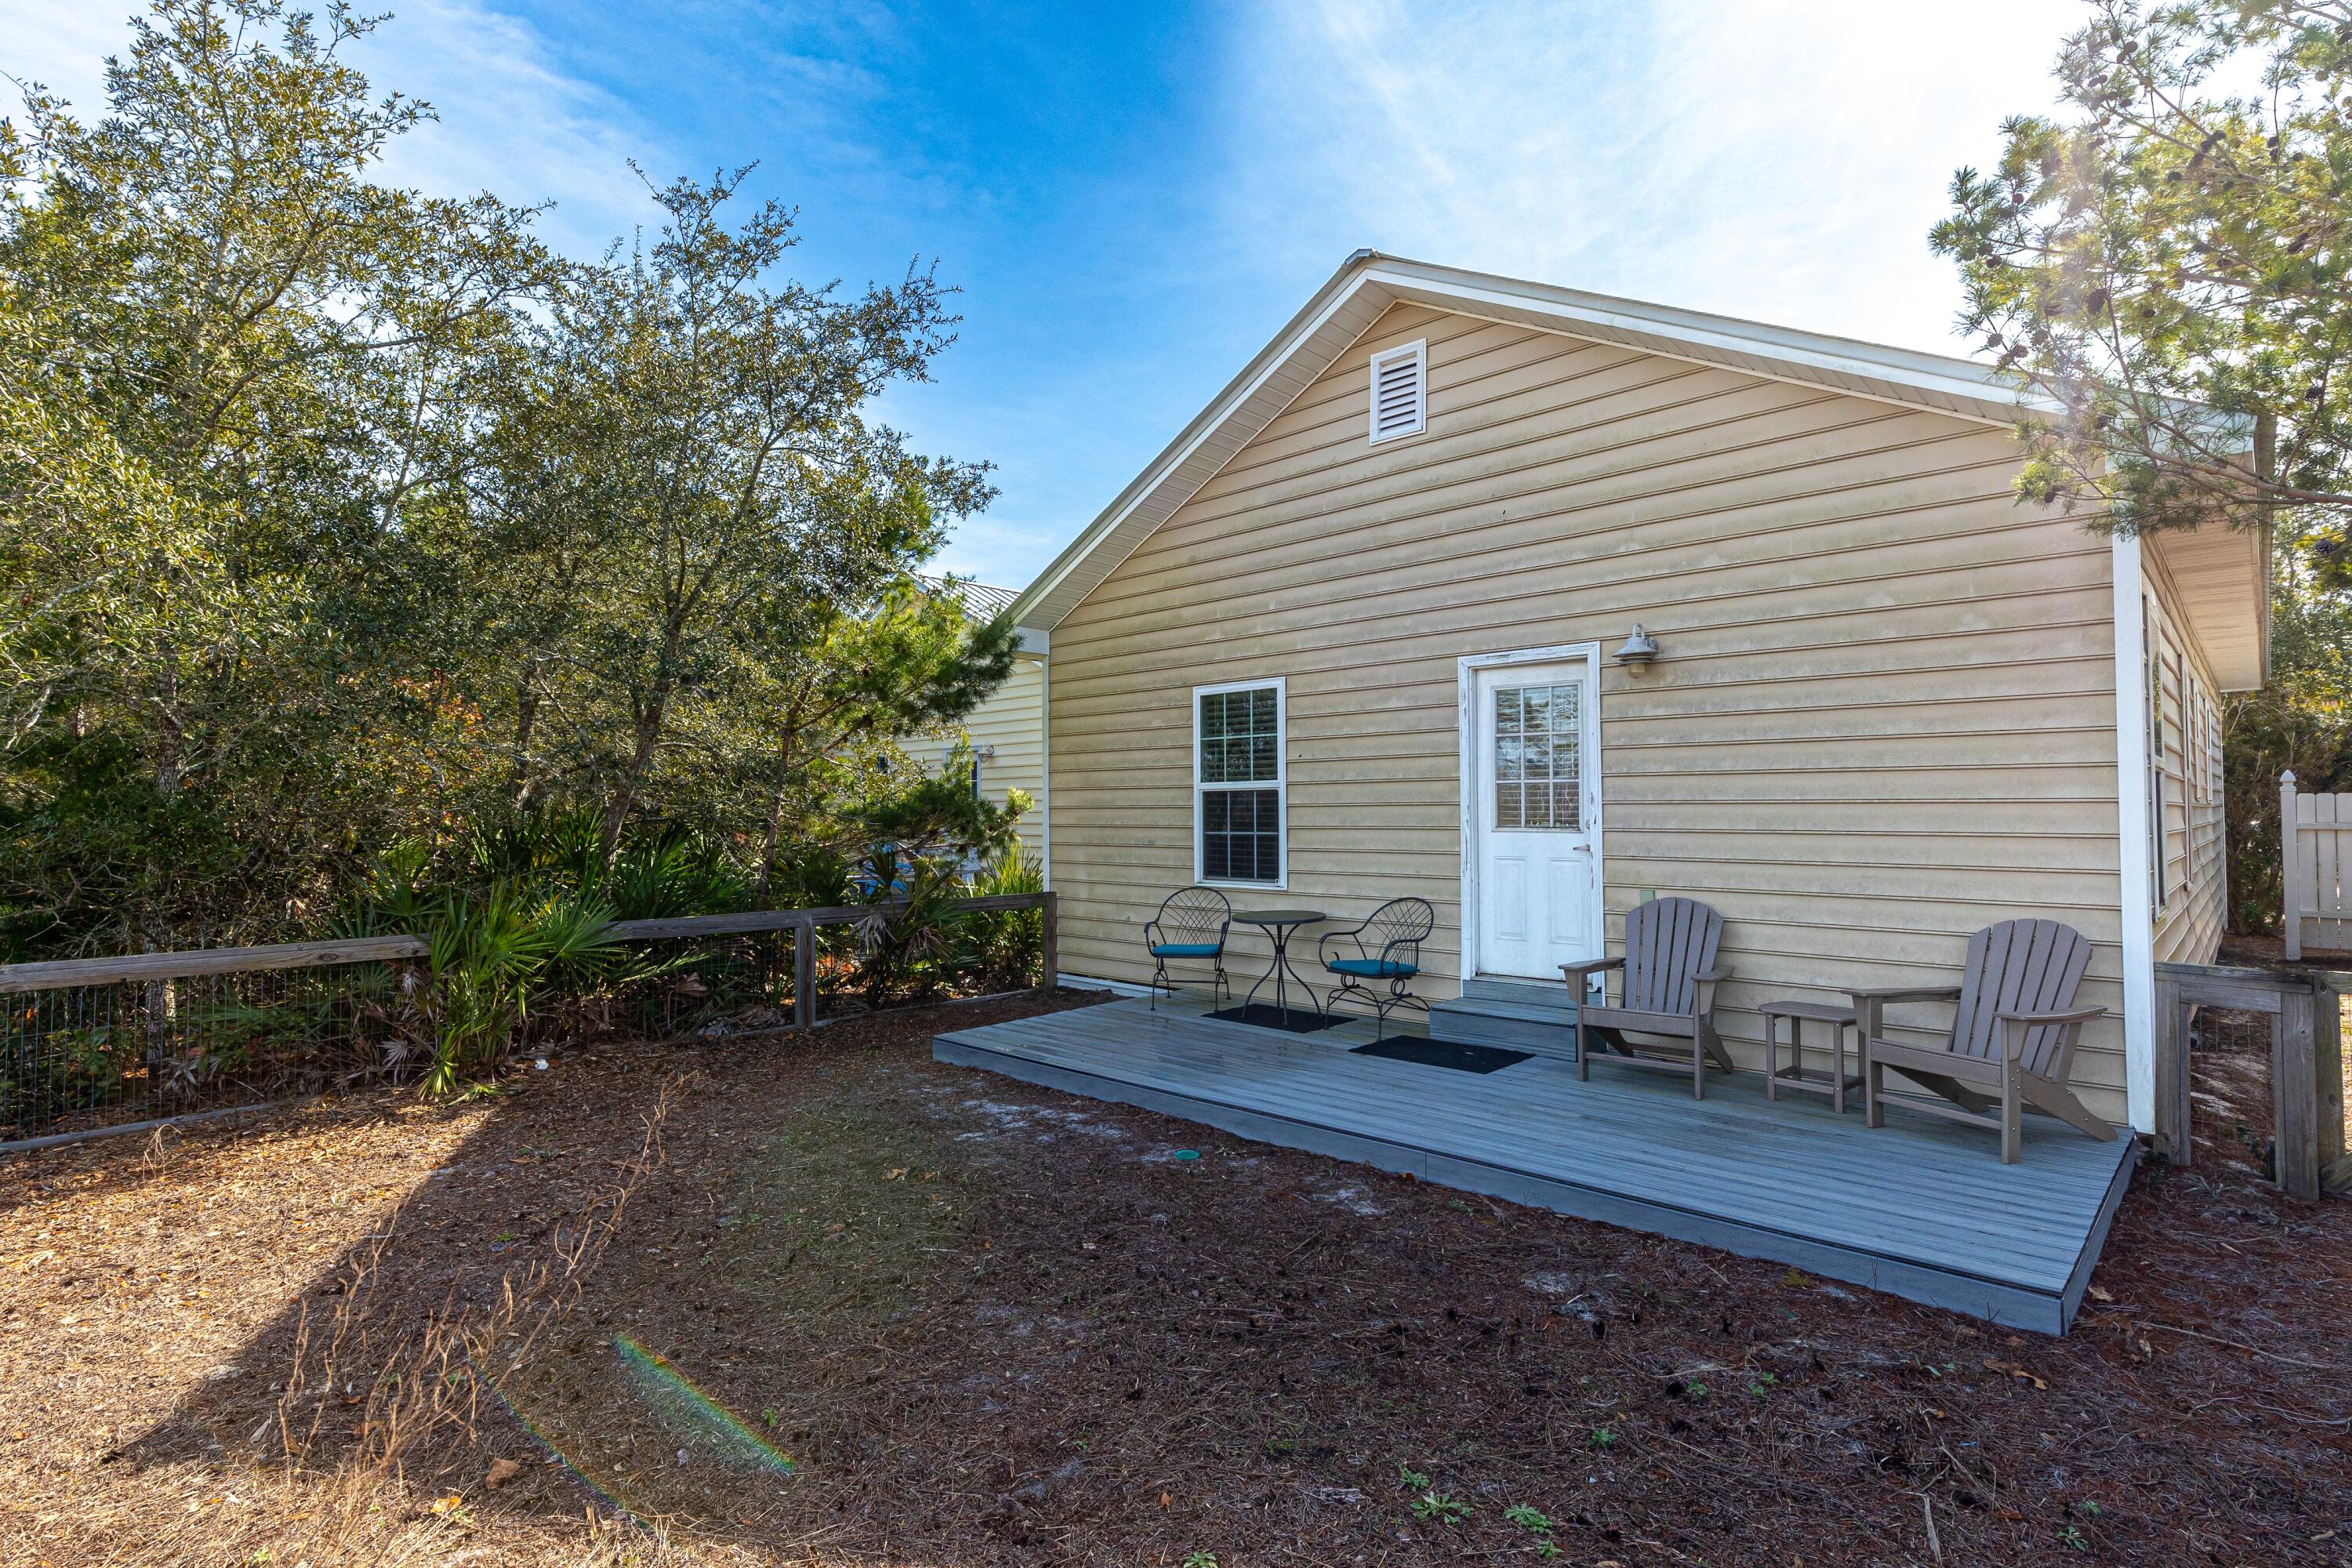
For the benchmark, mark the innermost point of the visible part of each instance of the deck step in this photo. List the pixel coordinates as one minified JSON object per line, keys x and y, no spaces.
{"x":1514,"y":1026}
{"x":1547,"y":994}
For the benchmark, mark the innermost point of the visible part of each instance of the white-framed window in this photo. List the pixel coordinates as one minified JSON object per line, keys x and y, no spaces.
{"x":2151,"y":630}
{"x":2193,"y":746}
{"x":1240,"y":785}
{"x":1399,"y":391}
{"x":2209,"y":749}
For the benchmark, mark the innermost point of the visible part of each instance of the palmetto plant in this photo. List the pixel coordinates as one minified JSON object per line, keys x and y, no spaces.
{"x":655,"y":872}
{"x":664,"y":875}
{"x":1005,"y":947}
{"x":488,"y":960}
{"x":910,"y":947}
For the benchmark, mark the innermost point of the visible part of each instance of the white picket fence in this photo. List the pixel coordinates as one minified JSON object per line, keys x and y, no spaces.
{"x":2315,"y":864}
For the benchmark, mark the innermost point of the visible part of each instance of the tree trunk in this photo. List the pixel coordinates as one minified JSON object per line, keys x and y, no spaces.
{"x":775,"y":834}
{"x":170,"y":739}
{"x":650,"y":716}
{"x":171,"y":756}
{"x":526,"y":720}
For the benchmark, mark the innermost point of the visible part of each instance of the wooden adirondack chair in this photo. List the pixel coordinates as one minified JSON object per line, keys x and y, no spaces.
{"x":2012,"y":1040}
{"x":1667,"y":991}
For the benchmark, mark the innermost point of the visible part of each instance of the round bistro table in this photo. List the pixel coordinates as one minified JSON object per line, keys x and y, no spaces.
{"x":1278,"y":924}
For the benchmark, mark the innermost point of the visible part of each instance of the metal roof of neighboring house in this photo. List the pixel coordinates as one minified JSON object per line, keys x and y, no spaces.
{"x":982,"y":601}
{"x":1369,"y":283}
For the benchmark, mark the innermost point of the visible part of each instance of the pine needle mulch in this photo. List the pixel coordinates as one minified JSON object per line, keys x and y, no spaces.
{"x":826,"y":1302}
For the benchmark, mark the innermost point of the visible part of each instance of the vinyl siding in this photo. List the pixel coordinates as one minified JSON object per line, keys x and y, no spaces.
{"x":1014,"y":721}
{"x":2196,"y":907}
{"x":1883,"y":715}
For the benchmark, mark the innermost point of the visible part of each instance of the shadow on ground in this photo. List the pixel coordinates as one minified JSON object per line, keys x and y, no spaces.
{"x":989,"y":1323}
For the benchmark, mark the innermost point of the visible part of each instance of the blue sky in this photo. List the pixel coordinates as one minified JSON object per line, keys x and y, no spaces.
{"x":1133,"y":198}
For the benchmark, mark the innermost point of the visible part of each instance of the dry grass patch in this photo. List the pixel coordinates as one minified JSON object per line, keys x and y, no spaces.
{"x":993,"y":1324}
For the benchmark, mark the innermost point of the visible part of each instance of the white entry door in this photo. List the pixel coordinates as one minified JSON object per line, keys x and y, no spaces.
{"x":1537,"y":781}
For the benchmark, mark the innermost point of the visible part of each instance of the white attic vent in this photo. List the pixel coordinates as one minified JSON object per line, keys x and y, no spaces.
{"x":1399,"y":392}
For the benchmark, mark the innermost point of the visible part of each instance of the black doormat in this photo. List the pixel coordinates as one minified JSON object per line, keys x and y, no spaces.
{"x":1303,"y":1020}
{"x":1442,"y":1054}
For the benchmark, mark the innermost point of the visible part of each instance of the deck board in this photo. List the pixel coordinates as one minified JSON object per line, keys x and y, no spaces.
{"x":1922,"y":1208}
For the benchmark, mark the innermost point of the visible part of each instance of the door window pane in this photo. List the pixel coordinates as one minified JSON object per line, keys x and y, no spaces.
{"x":1539,"y":758}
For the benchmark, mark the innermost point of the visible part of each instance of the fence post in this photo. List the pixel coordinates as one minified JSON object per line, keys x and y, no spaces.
{"x":2307,"y":1087}
{"x":2300,"y":1101}
{"x":805,"y":975}
{"x":2291,"y":889}
{"x":1052,"y":944}
{"x":2328,"y":1061}
{"x":2172,"y":1135}
{"x":163,"y":1018}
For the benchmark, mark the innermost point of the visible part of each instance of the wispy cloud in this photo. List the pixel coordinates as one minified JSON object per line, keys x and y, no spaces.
{"x":1135,"y":203}
{"x":512,"y":122}
{"x":1774,"y":161}
{"x":61,"y":45}
{"x":510,"y":119}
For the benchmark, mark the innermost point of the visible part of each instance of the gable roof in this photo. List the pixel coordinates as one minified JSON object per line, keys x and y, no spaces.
{"x":1369,"y":283}
{"x":981,"y":601}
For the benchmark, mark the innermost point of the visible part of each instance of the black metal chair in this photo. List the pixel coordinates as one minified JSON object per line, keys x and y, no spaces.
{"x":1192,"y":923}
{"x":1387,"y":946}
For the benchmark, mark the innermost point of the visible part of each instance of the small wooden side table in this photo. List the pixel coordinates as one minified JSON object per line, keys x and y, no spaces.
{"x":1834,"y":1082}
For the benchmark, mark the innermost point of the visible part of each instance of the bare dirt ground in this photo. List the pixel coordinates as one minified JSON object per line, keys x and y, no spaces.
{"x":984,"y":1324}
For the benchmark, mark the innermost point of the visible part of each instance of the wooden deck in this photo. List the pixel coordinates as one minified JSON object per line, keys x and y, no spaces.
{"x":1920,"y":1208}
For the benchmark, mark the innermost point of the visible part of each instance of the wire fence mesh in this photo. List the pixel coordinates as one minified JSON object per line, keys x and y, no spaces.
{"x":88,"y":1054}
{"x":85,"y":1045}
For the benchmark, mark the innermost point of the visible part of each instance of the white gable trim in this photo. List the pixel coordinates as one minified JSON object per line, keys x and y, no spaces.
{"x":1362,"y":290}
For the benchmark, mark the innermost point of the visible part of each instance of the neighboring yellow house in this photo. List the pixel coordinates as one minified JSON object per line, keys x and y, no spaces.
{"x":1889,"y":703}
{"x":1007,"y":732}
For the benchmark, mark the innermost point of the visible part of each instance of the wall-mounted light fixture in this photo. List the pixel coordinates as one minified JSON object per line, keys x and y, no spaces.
{"x":1639,"y":649}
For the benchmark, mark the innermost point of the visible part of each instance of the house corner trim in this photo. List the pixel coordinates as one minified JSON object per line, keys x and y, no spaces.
{"x":2135,"y":894}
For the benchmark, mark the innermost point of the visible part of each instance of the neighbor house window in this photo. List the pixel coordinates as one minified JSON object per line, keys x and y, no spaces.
{"x":947,"y":759}
{"x":1238,"y":782}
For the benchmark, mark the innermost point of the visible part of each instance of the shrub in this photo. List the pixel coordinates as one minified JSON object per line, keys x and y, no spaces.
{"x":489,"y":961}
{"x":1006,"y":948}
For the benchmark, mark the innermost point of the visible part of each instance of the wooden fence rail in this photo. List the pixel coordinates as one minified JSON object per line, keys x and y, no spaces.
{"x":2315,"y":868}
{"x":94,"y":1038}
{"x":2305,"y":1012}
{"x":137,"y":967}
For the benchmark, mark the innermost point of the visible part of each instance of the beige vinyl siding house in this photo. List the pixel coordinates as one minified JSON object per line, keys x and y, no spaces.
{"x":1006,"y":733}
{"x":1885,"y":709}
{"x":2192,"y":900}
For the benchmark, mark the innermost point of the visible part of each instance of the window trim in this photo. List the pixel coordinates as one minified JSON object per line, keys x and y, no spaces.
{"x":1281,"y":785}
{"x":1416,"y":350}
{"x":2152,"y":683}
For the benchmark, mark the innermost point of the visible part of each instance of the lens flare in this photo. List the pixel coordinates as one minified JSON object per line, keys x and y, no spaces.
{"x":546,"y":1440}
{"x":683,"y":1402}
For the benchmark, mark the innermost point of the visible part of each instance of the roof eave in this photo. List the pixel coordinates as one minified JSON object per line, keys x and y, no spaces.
{"x":1277,"y":348}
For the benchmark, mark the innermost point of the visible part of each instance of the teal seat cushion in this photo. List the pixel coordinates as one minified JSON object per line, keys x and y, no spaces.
{"x":1187,"y":950}
{"x":1370,"y":968}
